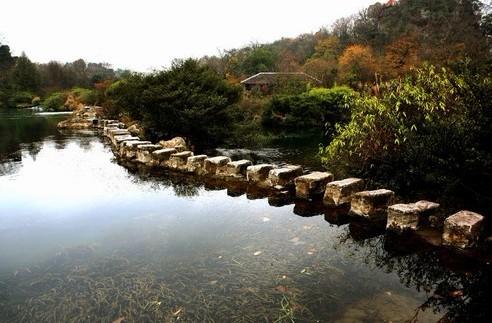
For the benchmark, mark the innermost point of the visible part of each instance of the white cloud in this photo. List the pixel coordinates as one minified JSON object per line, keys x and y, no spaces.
{"x":148,"y":34}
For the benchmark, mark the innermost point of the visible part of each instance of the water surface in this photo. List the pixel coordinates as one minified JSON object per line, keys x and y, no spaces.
{"x":83,"y":239}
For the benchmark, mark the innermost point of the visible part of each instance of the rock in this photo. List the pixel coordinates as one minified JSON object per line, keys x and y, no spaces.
{"x":258,"y":174}
{"x":117,"y":140}
{"x":128,"y":149}
{"x":178,"y":160}
{"x":339,"y":193}
{"x":135,"y":130}
{"x":371,"y":204}
{"x":176,"y":142}
{"x":107,"y":128}
{"x":117,"y":132}
{"x":144,"y":153}
{"x":216,"y":165}
{"x":76,"y":123}
{"x":196,"y":164}
{"x":408,"y":217}
{"x":462,"y":229}
{"x":312,"y":185}
{"x":238,"y":168}
{"x":280,"y":178}
{"x":161,"y":156}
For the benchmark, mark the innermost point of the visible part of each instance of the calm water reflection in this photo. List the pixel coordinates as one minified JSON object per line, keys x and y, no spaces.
{"x":83,"y":239}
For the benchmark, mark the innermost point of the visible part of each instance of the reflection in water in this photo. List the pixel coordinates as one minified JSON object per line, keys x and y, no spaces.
{"x":84,"y":239}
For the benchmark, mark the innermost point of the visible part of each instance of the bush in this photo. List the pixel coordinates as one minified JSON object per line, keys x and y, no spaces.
{"x":319,"y":107}
{"x":20,"y":99}
{"x":55,"y":102}
{"x":426,"y":131}
{"x":85,"y":96}
{"x":189,"y":100}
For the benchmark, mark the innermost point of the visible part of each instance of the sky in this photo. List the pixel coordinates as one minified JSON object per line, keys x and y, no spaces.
{"x":142,"y":35}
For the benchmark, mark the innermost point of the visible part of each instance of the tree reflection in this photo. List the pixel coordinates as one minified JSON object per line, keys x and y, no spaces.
{"x":459,"y":284}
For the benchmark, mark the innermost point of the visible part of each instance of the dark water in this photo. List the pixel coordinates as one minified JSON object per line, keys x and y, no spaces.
{"x":83,"y":239}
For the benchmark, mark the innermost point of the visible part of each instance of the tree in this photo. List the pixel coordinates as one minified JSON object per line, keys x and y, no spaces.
{"x":357,"y":65}
{"x":401,"y":56}
{"x":323,"y":69}
{"x":25,"y":76}
{"x":189,"y":100}
{"x":259,"y":59}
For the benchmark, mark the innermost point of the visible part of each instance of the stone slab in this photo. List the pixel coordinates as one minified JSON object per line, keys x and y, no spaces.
{"x":196,"y":164}
{"x":258,"y":174}
{"x":371,"y":204}
{"x":238,"y":168}
{"x":462,"y":229}
{"x":340,"y":193}
{"x":216,"y":165}
{"x":312,"y":185}
{"x":280,"y":178}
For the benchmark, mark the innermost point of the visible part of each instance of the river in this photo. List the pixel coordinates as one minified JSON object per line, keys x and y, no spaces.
{"x":83,"y":239}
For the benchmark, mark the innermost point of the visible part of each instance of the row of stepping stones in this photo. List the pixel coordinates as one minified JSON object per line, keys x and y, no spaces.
{"x":461,"y":230}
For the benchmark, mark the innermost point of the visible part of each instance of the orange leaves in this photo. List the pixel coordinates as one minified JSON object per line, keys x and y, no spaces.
{"x":357,"y":64}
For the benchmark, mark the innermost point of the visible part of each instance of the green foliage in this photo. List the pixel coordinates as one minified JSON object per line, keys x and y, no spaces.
{"x":20,"y":99}
{"x":55,"y":102}
{"x":86,"y":96}
{"x":425,"y":130}
{"x":319,"y":107}
{"x":189,"y":99}
{"x":25,"y":76}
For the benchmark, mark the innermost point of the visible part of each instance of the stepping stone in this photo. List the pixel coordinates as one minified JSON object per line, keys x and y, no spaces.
{"x":216,"y":165}
{"x":128,"y":149}
{"x":107,"y":128}
{"x":371,"y":204}
{"x":117,"y":132}
{"x":257,"y":174}
{"x":144,"y":152}
{"x":408,"y":217}
{"x":462,"y":229}
{"x":238,"y":168}
{"x":161,"y":155}
{"x":339,"y":193}
{"x":178,"y":160}
{"x":282,"y":177}
{"x":312,"y":185}
{"x":196,"y":164}
{"x":117,"y":140}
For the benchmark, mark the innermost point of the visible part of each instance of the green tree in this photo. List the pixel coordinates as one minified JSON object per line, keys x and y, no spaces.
{"x":259,"y":59}
{"x":189,"y":100}
{"x":25,"y":76}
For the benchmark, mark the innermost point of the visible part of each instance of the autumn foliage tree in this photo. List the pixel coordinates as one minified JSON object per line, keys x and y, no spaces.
{"x":357,"y":65}
{"x":401,"y":55}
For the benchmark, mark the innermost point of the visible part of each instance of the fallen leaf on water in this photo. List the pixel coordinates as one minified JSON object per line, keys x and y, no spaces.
{"x":178,"y":311}
{"x":257,"y":253}
{"x":213,"y":282}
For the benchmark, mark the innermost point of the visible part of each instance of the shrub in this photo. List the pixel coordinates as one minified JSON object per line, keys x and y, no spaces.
{"x":319,"y":107}
{"x":427,"y":131}
{"x":55,"y":102}
{"x":20,"y":99}
{"x":85,"y":96}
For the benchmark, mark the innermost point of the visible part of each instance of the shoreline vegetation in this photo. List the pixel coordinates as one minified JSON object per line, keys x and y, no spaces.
{"x":402,"y":97}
